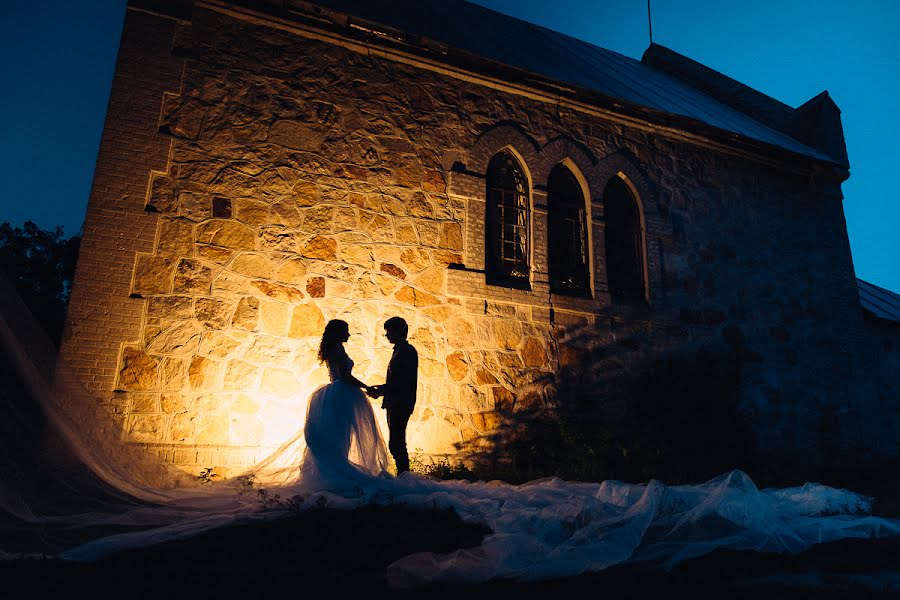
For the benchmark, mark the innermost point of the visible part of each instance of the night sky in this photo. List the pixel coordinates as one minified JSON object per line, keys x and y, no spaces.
{"x":58,"y":59}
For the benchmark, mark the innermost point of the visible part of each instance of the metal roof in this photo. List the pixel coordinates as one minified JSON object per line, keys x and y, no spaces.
{"x":882,"y":303}
{"x":513,"y":42}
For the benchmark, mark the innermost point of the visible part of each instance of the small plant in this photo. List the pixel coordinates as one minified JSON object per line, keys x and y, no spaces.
{"x":208,"y":475}
{"x":274,"y":502}
{"x":246,"y":481}
{"x":444,"y":469}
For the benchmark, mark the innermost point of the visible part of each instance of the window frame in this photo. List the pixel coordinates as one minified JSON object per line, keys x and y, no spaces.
{"x":640,"y":293}
{"x":572,"y":206}
{"x":503,"y":233}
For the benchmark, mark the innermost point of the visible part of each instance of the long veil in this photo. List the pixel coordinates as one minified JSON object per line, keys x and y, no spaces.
{"x":85,"y":495}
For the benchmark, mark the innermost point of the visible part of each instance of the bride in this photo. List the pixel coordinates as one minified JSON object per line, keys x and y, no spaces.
{"x":342,"y":438}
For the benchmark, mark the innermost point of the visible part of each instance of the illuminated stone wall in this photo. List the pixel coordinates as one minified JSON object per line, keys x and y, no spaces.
{"x":304,"y":181}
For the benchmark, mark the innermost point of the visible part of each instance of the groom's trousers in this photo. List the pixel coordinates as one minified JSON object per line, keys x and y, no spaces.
{"x":397,"y":419}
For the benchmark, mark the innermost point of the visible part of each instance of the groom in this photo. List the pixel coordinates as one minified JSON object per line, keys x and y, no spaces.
{"x":399,"y":389}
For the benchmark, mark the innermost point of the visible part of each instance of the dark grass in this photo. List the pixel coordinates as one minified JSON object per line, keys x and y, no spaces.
{"x":327,"y":553}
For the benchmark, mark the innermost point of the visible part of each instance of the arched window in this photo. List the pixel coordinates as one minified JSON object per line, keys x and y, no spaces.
{"x":624,"y":244}
{"x":507,"y":222}
{"x":567,"y":243}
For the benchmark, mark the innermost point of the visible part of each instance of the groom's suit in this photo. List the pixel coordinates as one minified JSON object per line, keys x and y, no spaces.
{"x":400,"y":399}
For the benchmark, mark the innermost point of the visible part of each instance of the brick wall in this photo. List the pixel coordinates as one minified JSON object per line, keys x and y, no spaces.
{"x":101,"y":312}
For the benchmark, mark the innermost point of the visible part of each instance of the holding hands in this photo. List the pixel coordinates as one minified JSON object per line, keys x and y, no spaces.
{"x":374,"y":391}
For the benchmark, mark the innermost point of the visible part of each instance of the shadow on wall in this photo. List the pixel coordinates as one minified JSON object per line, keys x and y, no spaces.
{"x":620,"y":411}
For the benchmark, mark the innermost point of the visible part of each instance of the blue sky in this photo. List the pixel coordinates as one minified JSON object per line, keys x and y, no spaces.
{"x":58,"y":59}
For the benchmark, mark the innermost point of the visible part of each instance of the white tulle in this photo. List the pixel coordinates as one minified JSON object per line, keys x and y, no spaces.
{"x":543,"y":529}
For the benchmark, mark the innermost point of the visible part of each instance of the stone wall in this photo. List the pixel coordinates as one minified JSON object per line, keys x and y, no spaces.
{"x":288,"y":181}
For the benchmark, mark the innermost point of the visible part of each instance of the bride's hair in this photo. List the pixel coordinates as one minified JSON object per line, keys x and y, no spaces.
{"x":335,"y":329}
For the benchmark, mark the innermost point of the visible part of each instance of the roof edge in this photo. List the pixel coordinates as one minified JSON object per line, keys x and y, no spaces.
{"x":880,"y":303}
{"x":816,"y":123}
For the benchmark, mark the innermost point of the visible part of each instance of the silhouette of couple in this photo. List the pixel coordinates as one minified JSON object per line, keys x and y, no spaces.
{"x":342,"y":437}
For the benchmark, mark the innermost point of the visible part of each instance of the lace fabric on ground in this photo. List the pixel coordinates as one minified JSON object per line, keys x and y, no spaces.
{"x":91,"y":497}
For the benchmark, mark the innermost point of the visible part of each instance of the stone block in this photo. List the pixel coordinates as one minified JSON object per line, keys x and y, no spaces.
{"x":213,"y":313}
{"x":218,"y":344}
{"x":415,"y":259}
{"x":509,"y":360}
{"x":318,"y":220}
{"x":252,"y":212}
{"x":143,"y":403}
{"x":273,"y":317}
{"x":445,"y":258}
{"x":257,"y":266}
{"x":297,"y":135}
{"x":414,"y":297}
{"x":269,"y":350}
{"x":183,"y":427}
{"x":146,"y":428}
{"x":245,"y":404}
{"x":503,"y":398}
{"x":357,"y":255}
{"x":214,"y":254}
{"x":152,"y":274}
{"x":315,"y":287}
{"x":346,"y":219}
{"x":172,"y":403}
{"x":439,"y":314}
{"x":246,"y":314}
{"x":485,"y":377}
{"x":172,"y":373}
{"x":227,"y":234}
{"x":307,"y":320}
{"x":534,"y":353}
{"x":169,"y":307}
{"x":421,"y":206}
{"x":320,"y":248}
{"x":202,"y":373}
{"x":507,"y":333}
{"x":241,"y":376}
{"x":431,"y":280}
{"x":280,"y":382}
{"x":183,"y":337}
{"x":377,"y":227}
{"x":429,"y":233}
{"x":192,"y":277}
{"x":291,"y":271}
{"x":406,"y":233}
{"x":451,"y":237}
{"x":306,"y":193}
{"x":276,"y":238}
{"x":176,"y":238}
{"x":431,"y":369}
{"x":433,"y":181}
{"x":486,"y":422}
{"x":163,"y":195}
{"x":460,"y":332}
{"x":286,"y":213}
{"x":457,"y":366}
{"x":196,"y":207}
{"x":277,"y":291}
{"x":212,"y":429}
{"x":393,"y":270}
{"x":423,"y":340}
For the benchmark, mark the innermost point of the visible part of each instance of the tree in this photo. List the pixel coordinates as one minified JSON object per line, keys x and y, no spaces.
{"x":41,"y":265}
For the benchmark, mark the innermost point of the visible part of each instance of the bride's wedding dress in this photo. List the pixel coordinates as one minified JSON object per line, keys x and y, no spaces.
{"x":543,"y":529}
{"x":343,"y":443}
